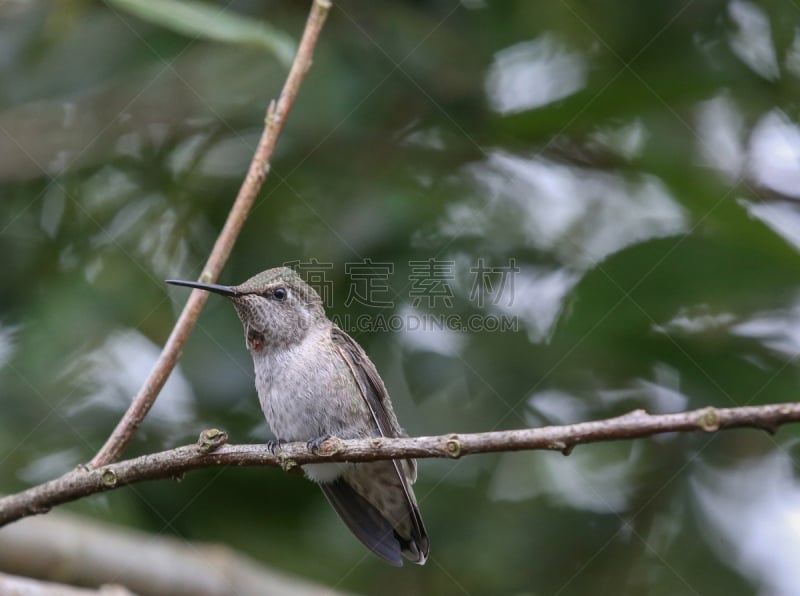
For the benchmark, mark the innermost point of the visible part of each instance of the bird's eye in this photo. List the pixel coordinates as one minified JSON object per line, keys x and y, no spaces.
{"x":280,"y":293}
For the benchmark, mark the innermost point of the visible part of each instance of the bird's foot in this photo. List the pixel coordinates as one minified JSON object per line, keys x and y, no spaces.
{"x":314,"y":444}
{"x":275,"y":445}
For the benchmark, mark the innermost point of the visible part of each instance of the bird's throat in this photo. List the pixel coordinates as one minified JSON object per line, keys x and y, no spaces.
{"x":255,"y":339}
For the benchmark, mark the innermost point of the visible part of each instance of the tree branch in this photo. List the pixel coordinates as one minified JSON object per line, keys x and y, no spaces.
{"x":14,"y":584}
{"x":211,"y":450}
{"x":85,"y":552}
{"x":259,"y":167}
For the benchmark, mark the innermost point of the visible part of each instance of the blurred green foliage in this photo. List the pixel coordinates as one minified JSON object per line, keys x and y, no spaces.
{"x":639,"y":164}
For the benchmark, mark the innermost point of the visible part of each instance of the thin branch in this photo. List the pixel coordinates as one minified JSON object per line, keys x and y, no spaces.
{"x":212,"y":450}
{"x":256,"y":174}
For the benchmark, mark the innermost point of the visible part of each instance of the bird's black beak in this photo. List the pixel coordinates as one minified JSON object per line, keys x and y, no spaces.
{"x":215,"y":288}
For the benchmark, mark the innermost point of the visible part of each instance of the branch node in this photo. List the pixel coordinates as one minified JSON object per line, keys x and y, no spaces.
{"x":211,"y":439}
{"x":633,"y":414}
{"x":270,"y":114}
{"x":206,"y":277}
{"x":453,"y":447}
{"x":566,"y":448}
{"x":330,"y":446}
{"x":287,"y":463}
{"x":709,"y":420}
{"x":770,"y":428}
{"x":108,"y":478}
{"x":36,"y":509}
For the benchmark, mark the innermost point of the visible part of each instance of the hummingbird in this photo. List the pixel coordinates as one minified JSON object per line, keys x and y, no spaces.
{"x":315,"y":382}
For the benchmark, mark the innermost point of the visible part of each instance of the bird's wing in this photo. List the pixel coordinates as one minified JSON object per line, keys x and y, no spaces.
{"x":373,"y":391}
{"x":369,"y":383}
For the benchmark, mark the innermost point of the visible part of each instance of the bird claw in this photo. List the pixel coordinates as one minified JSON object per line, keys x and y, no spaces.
{"x":314,"y":444}
{"x":275,"y":445}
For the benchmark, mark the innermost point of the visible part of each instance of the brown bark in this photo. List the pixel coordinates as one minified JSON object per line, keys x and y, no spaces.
{"x":212,"y":450}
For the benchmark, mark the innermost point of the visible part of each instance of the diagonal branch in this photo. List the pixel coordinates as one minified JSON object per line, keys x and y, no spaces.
{"x":259,"y":167}
{"x":212,"y":451}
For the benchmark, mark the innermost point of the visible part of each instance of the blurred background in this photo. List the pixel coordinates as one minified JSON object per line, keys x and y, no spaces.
{"x":599,"y":200}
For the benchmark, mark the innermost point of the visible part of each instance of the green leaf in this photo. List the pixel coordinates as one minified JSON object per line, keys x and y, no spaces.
{"x":201,"y":20}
